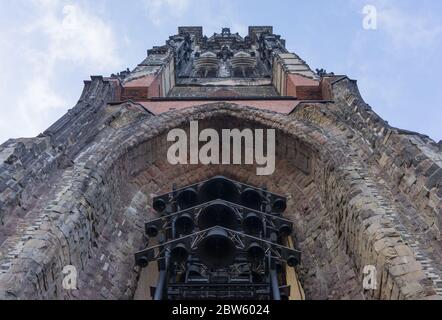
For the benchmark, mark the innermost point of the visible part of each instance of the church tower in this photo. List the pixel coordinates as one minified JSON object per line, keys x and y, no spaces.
{"x":319,"y":198}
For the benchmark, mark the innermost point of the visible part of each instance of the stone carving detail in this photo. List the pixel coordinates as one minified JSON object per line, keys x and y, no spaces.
{"x":225,"y":55}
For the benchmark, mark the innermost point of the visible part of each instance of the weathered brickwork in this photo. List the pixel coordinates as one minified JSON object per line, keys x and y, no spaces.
{"x":360,"y":192}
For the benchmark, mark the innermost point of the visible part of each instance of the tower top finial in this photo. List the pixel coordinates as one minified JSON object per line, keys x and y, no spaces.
{"x":225,"y":32}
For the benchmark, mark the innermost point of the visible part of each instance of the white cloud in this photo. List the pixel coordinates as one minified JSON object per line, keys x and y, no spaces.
{"x":212,"y":15}
{"x":37,"y":102}
{"x":391,"y":62}
{"x":60,"y":34}
{"x":160,"y":11}
{"x":409,"y":29}
{"x":406,"y":27}
{"x":77,"y":35}
{"x":3,"y":62}
{"x":242,"y":29}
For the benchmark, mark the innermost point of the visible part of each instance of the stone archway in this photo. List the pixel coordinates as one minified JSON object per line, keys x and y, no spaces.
{"x":113,"y":178}
{"x":295,"y":176}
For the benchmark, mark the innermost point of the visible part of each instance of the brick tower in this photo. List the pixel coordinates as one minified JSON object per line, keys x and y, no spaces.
{"x":363,"y":198}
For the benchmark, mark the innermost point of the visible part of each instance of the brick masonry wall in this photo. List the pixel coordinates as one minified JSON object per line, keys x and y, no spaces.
{"x":399,"y":163}
{"x":308,"y":93}
{"x":92,"y":207}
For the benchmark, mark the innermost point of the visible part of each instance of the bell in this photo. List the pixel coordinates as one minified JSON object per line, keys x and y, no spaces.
{"x":255,"y":253}
{"x":152,"y":231}
{"x":252,"y":199}
{"x":219,"y":188}
{"x":217,"y":250}
{"x":257,"y":277}
{"x":279,"y":205}
{"x":285,"y":230}
{"x":218,"y":214}
{"x":292,"y":261}
{"x":187,"y":198}
{"x":252,"y":224}
{"x":194,"y":271}
{"x":179,"y":253}
{"x":159,"y":205}
{"x":142,"y":262}
{"x":184,"y":224}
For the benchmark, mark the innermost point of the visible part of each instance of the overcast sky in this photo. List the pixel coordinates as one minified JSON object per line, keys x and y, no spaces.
{"x":48,"y":47}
